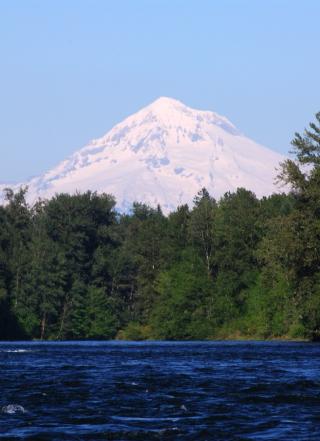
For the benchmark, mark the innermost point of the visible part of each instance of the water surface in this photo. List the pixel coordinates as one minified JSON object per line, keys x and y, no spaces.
{"x":160,"y":391}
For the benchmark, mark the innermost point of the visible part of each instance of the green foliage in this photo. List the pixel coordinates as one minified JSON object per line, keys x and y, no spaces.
{"x":268,"y":308}
{"x":135,"y":331}
{"x":101,"y":315}
{"x":201,"y":226}
{"x":240,"y":267}
{"x":181,"y":309}
{"x":299,"y":243}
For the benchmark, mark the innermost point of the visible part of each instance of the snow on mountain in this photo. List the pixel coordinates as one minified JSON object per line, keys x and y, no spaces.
{"x":164,"y":154}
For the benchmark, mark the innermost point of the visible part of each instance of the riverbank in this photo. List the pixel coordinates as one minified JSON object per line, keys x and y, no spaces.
{"x":137,"y":332}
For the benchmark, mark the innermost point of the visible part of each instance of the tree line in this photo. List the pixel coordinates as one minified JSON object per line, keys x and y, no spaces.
{"x":72,"y":267}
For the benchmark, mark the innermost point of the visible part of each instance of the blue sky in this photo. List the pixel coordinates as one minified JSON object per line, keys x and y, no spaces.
{"x":72,"y":69}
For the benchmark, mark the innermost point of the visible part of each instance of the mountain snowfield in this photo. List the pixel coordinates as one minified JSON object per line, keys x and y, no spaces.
{"x":164,"y":154}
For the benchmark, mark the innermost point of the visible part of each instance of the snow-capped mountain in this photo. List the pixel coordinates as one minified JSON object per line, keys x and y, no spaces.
{"x":164,"y":154}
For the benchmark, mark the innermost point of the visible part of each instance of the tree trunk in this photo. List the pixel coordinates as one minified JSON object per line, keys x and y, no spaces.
{"x":43,"y":326}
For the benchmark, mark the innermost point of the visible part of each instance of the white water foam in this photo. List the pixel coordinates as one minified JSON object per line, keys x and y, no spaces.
{"x":11,"y":409}
{"x":15,"y":350}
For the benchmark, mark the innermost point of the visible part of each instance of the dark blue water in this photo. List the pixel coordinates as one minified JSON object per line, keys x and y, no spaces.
{"x":160,"y":391}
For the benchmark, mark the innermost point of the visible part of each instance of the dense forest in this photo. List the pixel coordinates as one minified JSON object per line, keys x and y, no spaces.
{"x":74,"y":268}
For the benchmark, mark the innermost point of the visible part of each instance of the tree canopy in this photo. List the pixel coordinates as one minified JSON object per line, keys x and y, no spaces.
{"x":72,"y":267}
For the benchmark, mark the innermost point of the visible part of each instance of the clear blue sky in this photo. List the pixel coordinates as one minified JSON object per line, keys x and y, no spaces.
{"x":71,"y":69}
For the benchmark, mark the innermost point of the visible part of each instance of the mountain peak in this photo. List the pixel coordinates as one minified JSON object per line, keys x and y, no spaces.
{"x":164,"y":103}
{"x":166,"y":110}
{"x":172,"y":112}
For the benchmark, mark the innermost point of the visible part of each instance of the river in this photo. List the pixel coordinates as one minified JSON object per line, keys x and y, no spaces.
{"x":159,"y":391}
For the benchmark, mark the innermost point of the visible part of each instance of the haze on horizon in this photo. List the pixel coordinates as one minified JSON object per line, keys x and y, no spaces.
{"x":72,"y":70}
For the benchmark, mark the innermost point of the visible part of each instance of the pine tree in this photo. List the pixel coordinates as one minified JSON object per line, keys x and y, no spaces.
{"x":302,"y":251}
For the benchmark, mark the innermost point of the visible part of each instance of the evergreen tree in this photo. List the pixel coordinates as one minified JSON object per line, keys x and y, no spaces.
{"x":302,"y":250}
{"x":201,"y":226}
